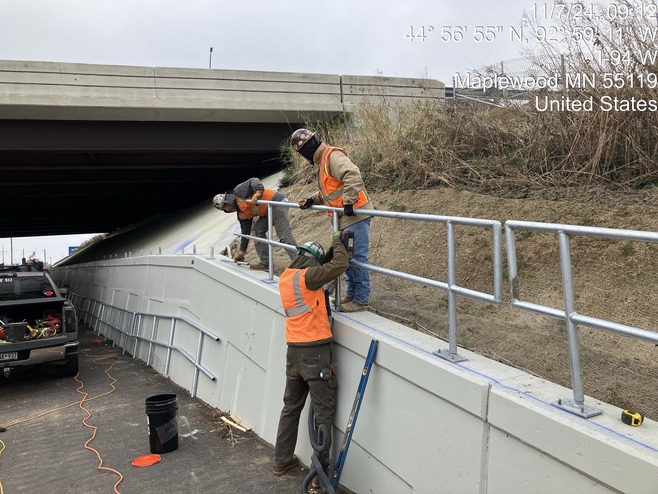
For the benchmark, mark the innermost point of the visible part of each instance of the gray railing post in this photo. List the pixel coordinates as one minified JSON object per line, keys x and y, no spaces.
{"x":270,"y":250}
{"x":136,"y":330}
{"x":153,"y":333}
{"x":170,"y":345}
{"x":101,"y":316}
{"x":451,"y":354}
{"x":131,"y":332}
{"x":197,"y":362}
{"x":577,"y":405}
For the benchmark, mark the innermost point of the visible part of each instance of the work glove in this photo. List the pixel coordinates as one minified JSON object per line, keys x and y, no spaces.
{"x":257,"y":195}
{"x":329,"y":255}
{"x":239,"y":256}
{"x":306,"y":203}
{"x":348,"y":210}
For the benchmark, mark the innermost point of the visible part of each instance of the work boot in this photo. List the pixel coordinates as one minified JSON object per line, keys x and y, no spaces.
{"x":260,"y":267}
{"x":280,"y":470}
{"x":345,"y":300}
{"x":353,"y":306}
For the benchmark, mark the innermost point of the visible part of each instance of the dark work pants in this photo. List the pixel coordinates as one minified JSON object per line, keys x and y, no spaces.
{"x":303,"y":366}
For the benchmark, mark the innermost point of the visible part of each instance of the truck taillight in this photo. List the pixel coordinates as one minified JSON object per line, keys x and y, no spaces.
{"x":70,"y":320}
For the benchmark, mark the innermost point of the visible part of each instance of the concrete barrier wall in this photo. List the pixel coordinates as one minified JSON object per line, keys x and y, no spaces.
{"x":426,"y":425}
{"x":67,"y":91}
{"x":356,"y":89}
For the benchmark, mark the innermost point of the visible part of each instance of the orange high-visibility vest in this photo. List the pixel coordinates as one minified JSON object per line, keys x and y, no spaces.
{"x":331,"y":189}
{"x":307,"y":319}
{"x":247,"y":211}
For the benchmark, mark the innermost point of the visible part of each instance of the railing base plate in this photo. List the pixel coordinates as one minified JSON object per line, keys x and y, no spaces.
{"x":452,"y":357}
{"x":583,"y":410}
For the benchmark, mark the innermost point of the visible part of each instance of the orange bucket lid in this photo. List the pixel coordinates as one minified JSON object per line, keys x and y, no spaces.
{"x":146,"y":460}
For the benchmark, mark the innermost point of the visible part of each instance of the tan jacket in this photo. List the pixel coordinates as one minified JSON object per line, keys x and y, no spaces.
{"x":342,"y":168}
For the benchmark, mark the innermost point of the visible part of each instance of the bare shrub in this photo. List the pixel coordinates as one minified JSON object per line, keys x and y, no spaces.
{"x":613,"y":45}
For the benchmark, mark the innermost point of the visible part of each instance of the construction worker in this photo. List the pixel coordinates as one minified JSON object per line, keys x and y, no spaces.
{"x":341,"y":186}
{"x":309,"y":366}
{"x":237,"y":202}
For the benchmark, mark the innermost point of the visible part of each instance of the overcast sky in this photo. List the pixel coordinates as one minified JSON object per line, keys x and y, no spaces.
{"x":355,"y":37}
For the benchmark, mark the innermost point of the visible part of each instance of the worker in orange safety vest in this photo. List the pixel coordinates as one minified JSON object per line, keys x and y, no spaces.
{"x":309,"y":364}
{"x":237,"y":202}
{"x":341,"y":186}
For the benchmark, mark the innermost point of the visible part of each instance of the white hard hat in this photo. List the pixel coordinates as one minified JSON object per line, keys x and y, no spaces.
{"x":218,"y":200}
{"x":221,"y":199}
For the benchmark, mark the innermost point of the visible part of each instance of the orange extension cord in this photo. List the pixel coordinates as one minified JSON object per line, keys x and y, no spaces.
{"x":1,"y":450}
{"x":85,"y":395}
{"x":84,"y":421}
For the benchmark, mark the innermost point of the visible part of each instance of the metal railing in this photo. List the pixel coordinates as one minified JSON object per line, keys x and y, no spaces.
{"x":450,"y":285}
{"x":111,"y":316}
{"x":568,"y":312}
{"x":131,"y":326}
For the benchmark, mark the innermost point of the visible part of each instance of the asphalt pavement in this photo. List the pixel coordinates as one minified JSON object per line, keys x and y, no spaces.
{"x":43,"y":448}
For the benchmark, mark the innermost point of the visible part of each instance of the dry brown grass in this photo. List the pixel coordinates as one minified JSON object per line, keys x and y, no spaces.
{"x":423,"y":146}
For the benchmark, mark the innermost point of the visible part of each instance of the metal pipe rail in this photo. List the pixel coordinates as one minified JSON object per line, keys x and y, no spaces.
{"x":100,"y":313}
{"x":96,"y":313}
{"x":450,"y":286}
{"x":568,"y":312}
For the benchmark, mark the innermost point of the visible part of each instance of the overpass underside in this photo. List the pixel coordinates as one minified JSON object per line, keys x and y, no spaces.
{"x":61,"y":177}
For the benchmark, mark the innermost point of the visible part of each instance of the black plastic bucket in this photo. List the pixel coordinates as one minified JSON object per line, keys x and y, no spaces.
{"x":161,"y":417}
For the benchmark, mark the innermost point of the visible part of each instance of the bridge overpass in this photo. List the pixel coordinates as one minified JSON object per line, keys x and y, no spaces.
{"x":427,"y":424}
{"x":92,"y":148}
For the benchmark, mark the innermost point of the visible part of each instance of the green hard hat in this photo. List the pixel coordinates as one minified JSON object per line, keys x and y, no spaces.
{"x":313,"y":248}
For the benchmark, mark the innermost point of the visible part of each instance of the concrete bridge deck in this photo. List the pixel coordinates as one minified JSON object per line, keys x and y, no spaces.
{"x":65,"y":91}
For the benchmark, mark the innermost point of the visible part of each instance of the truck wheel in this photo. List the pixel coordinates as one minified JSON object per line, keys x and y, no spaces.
{"x":70,"y":368}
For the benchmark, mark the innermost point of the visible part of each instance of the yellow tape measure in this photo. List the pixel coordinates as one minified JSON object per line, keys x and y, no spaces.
{"x":631,"y":418}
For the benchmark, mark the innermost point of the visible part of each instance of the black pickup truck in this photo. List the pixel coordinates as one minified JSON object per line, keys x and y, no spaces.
{"x":38,"y":324}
